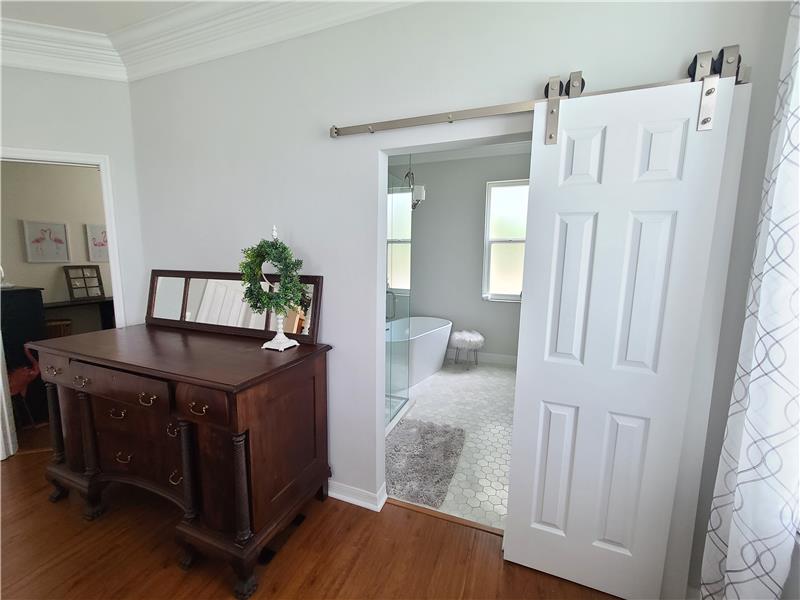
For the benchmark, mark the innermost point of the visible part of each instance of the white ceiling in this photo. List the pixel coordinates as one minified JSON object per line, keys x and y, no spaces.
{"x":99,"y":17}
{"x":125,"y":41}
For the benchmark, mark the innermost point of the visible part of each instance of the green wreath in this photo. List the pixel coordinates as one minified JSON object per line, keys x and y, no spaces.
{"x":290,"y":291}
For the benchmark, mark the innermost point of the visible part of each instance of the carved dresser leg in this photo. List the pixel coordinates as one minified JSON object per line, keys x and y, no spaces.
{"x":322,"y":492}
{"x":241,"y":495}
{"x":54,"y":413}
{"x":87,"y":435}
{"x":246,"y":582}
{"x":188,"y":556}
{"x":187,"y":458}
{"x":92,"y":505}
{"x":59,"y":491}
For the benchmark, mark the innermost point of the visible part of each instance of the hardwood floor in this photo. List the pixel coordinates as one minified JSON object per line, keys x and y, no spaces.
{"x":339,"y":551}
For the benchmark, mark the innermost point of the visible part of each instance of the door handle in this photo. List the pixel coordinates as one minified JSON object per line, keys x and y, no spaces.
{"x":123,"y":459}
{"x":199,"y":413}
{"x":172,"y":479}
{"x":172,"y":431}
{"x":146,"y":399}
{"x":117,"y":414}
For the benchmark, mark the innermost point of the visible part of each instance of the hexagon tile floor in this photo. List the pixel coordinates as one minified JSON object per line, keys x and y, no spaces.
{"x":481,"y":401}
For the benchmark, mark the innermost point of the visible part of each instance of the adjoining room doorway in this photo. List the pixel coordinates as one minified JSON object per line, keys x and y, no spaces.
{"x":60,"y":270}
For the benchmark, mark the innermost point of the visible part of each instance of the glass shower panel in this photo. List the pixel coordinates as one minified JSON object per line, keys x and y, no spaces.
{"x":398,"y":290}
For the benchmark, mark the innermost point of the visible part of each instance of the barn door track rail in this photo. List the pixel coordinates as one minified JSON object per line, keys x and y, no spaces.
{"x":704,"y":67}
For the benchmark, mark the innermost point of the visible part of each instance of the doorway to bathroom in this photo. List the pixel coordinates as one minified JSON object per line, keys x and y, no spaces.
{"x":454,"y":259}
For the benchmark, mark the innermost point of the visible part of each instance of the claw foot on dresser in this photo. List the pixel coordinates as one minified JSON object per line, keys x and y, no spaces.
{"x":188,"y":557}
{"x":322,"y":492}
{"x":245,"y":586}
{"x":59,"y":492}
{"x":92,"y":506}
{"x":246,"y":582}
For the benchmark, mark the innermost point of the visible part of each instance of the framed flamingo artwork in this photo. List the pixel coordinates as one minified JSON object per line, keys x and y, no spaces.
{"x":97,"y":242}
{"x":46,"y":242}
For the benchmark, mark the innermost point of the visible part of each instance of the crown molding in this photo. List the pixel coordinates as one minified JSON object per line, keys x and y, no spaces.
{"x":60,"y":50}
{"x":201,"y":32}
{"x":188,"y":35}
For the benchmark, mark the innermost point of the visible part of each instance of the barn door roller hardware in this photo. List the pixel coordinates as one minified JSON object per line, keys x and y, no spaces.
{"x":553,"y":91}
{"x":709,"y":70}
{"x":704,"y":68}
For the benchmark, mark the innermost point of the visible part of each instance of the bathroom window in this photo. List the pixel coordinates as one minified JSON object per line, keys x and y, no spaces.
{"x":398,"y":243}
{"x":504,"y":239}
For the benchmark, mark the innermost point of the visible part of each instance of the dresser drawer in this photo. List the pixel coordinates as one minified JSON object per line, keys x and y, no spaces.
{"x":124,"y":387}
{"x":133,"y":440}
{"x":127,"y":454}
{"x":55,"y":369}
{"x":201,"y":405}
{"x":113,"y":416}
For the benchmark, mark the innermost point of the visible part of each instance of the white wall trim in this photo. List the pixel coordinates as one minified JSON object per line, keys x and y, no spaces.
{"x":359,"y":497}
{"x":205,"y":31}
{"x":60,"y":50}
{"x":487,"y":358}
{"x":509,"y":149}
{"x":195,"y":33}
{"x":103,"y":163}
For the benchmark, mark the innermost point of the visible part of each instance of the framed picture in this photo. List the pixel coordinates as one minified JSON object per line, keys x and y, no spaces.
{"x":46,"y":242}
{"x":84,"y":281}
{"x":97,"y":242}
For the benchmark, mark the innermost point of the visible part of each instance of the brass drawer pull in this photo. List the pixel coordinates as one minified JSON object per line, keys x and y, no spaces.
{"x":81,"y":381}
{"x":117,"y":414}
{"x":199,"y":413}
{"x":172,"y":431}
{"x":53,"y":371}
{"x":172,"y":479}
{"x":146,"y":399}
{"x":123,"y":459}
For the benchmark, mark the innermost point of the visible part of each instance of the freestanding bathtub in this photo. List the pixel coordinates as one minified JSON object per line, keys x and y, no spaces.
{"x":427,"y":339}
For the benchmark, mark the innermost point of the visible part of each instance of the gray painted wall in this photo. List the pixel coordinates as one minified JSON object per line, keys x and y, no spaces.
{"x":447,"y":247}
{"x":46,"y":111}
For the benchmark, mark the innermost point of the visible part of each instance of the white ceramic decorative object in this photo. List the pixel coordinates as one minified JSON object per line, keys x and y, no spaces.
{"x":280,"y":342}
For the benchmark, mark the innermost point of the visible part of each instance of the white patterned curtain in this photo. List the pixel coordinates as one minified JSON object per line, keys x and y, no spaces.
{"x":755,"y":511}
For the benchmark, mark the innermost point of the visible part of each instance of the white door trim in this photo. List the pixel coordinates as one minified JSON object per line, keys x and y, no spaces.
{"x":103,"y":163}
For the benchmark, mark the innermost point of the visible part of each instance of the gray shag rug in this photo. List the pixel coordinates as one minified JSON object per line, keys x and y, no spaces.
{"x":421,"y":459}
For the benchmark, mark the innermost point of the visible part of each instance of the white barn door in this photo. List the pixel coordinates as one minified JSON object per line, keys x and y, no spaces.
{"x":620,"y":224}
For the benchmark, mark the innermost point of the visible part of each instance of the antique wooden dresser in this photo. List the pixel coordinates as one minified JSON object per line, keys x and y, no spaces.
{"x":236,"y":436}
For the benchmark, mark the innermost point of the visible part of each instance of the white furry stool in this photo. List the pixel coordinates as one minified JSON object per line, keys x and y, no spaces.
{"x":466,"y":340}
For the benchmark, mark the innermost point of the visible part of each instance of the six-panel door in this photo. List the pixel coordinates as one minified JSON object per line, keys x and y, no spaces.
{"x":620,"y":223}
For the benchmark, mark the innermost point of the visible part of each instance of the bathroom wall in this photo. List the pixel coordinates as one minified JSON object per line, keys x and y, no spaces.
{"x":447,"y":248}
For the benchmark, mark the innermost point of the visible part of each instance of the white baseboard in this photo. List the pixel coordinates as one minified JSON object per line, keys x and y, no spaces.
{"x":487,"y":358}
{"x":357,"y":496}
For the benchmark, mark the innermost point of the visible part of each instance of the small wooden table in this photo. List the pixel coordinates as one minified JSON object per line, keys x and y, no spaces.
{"x":234,"y":435}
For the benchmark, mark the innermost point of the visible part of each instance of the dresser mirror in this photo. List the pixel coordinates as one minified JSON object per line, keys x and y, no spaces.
{"x":213,"y":301}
